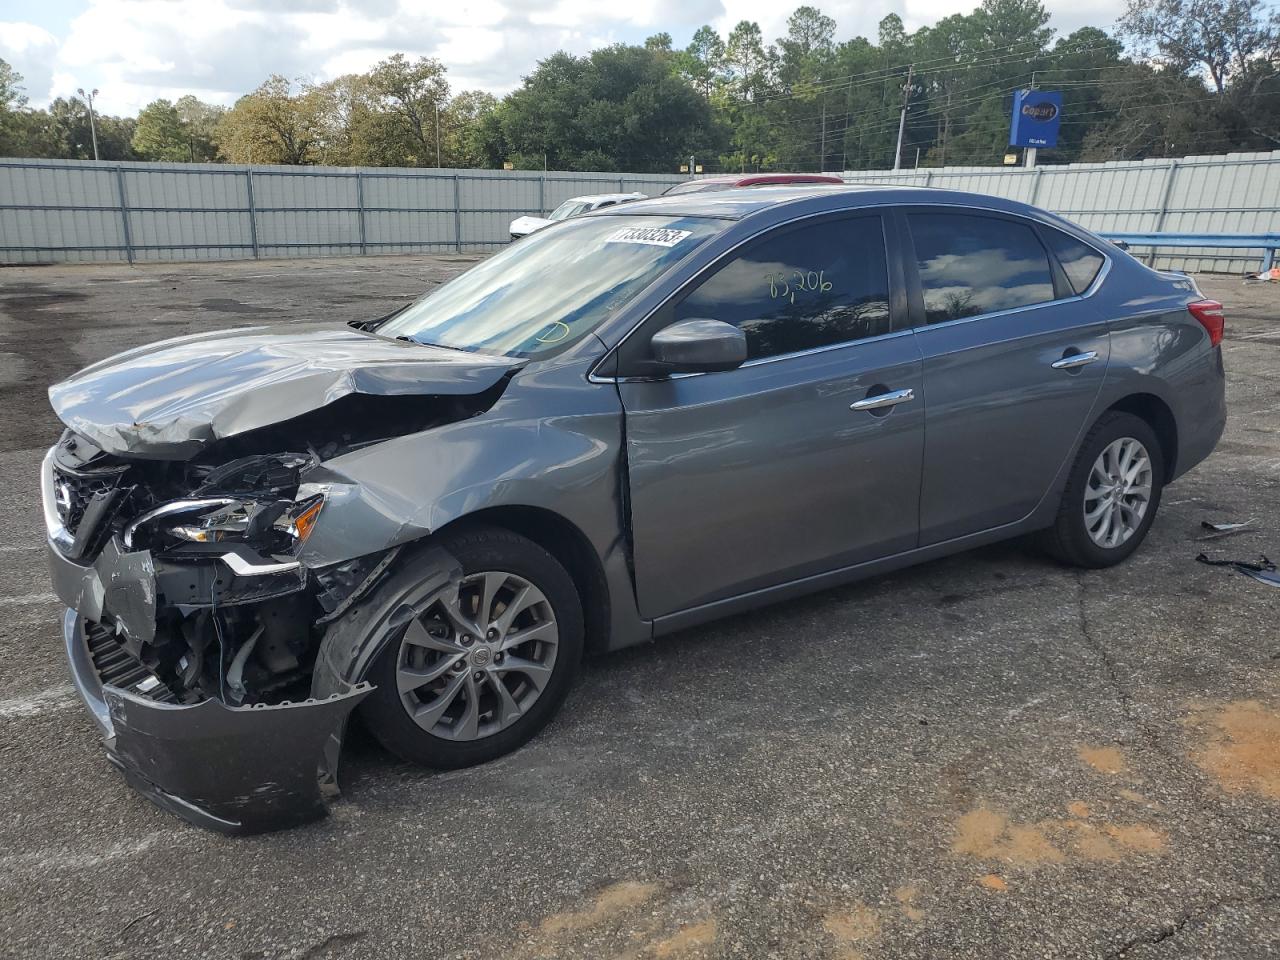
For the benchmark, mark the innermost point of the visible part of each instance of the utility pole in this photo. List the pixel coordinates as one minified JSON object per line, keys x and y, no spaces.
{"x":437,"y":134}
{"x":692,"y":166}
{"x":822,"y":163}
{"x":902,"y":118}
{"x":1029,"y":154}
{"x":93,"y":124}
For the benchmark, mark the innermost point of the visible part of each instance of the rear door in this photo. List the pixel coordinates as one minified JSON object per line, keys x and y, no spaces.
{"x":1013,"y":359}
{"x":780,"y":469}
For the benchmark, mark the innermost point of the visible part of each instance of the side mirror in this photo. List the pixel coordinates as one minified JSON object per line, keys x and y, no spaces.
{"x":697,"y":346}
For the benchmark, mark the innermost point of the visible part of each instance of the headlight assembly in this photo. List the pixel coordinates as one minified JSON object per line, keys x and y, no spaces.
{"x":271,"y":526}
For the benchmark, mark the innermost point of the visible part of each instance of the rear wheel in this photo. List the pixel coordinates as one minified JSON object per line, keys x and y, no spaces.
{"x":476,"y":672}
{"x":1112,"y":494}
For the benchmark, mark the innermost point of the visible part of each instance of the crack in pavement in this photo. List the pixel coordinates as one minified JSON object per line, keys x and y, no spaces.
{"x":322,"y":947}
{"x":1198,"y":791}
{"x":1168,"y":931}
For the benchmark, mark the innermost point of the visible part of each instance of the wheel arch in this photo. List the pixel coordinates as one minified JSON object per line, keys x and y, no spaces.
{"x":1155,"y":413}
{"x":562,"y":539}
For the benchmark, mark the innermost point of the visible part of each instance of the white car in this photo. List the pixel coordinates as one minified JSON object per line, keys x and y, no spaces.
{"x":523,"y":226}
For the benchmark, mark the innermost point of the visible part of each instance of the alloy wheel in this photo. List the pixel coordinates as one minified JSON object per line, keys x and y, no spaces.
{"x":474,"y":661}
{"x":1118,"y":492}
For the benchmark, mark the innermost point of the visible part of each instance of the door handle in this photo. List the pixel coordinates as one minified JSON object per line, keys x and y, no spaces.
{"x":1071,"y":361}
{"x":882,"y":400}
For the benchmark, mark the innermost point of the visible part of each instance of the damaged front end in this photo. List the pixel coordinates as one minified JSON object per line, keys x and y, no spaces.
{"x":196,"y":619}
{"x":192,"y":631}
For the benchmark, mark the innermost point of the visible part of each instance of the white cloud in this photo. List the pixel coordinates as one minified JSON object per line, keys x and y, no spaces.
{"x":30,"y":50}
{"x":137,"y":50}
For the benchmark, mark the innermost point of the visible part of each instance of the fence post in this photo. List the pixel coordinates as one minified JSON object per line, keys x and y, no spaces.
{"x":360,"y":209}
{"x":253,"y":211}
{"x":621,"y":187}
{"x":542,"y":195}
{"x":457,"y":215}
{"x":1166,"y":193}
{"x":124,"y":214}
{"x":1035,"y":185}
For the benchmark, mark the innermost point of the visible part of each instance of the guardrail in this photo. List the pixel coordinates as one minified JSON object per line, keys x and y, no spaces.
{"x":1268,"y":243}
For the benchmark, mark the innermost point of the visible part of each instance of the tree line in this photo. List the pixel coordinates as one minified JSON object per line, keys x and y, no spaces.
{"x":1174,"y":77}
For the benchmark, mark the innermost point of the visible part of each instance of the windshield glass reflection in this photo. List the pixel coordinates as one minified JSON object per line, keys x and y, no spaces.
{"x":544,"y":293}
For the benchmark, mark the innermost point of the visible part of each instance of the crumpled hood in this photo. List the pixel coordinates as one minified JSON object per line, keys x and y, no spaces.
{"x":170,"y":398}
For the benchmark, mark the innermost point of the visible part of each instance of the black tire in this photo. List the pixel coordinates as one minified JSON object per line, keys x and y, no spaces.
{"x":482,"y":549}
{"x":1068,"y":539}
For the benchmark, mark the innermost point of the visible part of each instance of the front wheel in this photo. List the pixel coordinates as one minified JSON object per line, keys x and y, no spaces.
{"x":478,"y":670}
{"x":1112,"y":494}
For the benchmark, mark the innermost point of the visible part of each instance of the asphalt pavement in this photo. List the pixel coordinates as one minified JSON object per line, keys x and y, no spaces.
{"x":985,"y":756}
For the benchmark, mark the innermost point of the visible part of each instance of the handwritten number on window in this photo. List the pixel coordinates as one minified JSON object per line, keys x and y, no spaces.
{"x":812,"y":281}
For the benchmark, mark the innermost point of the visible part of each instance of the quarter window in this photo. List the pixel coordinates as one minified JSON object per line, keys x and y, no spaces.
{"x":801,"y":288}
{"x":970,"y":265}
{"x":1080,"y":262}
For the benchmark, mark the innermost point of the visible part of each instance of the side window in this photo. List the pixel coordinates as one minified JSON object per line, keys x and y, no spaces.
{"x":607,"y":203}
{"x":972,"y":264}
{"x":1080,"y":262}
{"x":801,"y":288}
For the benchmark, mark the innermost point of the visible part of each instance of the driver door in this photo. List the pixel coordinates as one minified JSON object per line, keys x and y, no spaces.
{"x":805,"y":459}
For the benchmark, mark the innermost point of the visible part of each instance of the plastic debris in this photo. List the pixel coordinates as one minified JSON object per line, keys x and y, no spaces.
{"x":1219,"y":530}
{"x":1262,"y":569}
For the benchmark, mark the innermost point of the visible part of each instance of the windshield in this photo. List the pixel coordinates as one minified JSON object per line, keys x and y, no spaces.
{"x":542,"y":294}
{"x":570,"y":208}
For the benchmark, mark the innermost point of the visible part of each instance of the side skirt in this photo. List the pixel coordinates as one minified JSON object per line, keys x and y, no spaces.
{"x":707,"y":612}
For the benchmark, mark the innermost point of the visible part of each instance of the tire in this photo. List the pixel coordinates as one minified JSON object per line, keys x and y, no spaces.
{"x":1069,"y":539}
{"x":462,"y":736}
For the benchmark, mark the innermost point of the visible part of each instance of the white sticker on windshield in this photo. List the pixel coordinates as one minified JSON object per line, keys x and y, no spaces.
{"x":652,"y":236}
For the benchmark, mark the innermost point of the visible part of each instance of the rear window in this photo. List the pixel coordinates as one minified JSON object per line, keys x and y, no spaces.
{"x":1080,"y":262}
{"x":971,"y":265}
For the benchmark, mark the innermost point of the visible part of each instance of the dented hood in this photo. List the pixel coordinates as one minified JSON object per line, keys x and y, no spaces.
{"x":170,"y":398}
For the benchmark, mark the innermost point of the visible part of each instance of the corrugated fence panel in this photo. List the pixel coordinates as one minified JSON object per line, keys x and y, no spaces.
{"x":67,"y":211}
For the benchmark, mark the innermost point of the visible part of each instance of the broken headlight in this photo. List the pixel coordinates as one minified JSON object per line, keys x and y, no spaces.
{"x":247,"y":521}
{"x":272,"y":526}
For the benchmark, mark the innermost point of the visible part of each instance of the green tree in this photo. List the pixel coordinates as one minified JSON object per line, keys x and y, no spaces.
{"x":1221,"y":37}
{"x":199,"y":126}
{"x":623,"y":107}
{"x":410,"y":96}
{"x":12,"y":102}
{"x":702,"y":62}
{"x":273,"y":125}
{"x":160,"y":134}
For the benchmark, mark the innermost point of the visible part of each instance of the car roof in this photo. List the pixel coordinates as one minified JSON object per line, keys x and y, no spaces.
{"x":753,"y":179}
{"x":740,"y":204}
{"x":596,"y":197}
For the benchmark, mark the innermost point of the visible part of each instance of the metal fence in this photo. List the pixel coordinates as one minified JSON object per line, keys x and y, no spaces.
{"x":75,"y":211}
{"x":1236,"y":193}
{"x":66,"y":211}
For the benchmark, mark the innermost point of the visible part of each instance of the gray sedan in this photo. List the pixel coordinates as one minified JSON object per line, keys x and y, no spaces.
{"x":633,"y":422}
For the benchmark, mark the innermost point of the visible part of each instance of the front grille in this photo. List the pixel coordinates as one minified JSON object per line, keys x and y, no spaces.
{"x":115,"y":666}
{"x":73,"y":493}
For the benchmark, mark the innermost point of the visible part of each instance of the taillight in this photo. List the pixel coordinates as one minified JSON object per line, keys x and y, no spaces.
{"x":1209,"y":313}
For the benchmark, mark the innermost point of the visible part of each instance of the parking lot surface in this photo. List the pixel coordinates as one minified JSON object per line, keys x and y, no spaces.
{"x":985,"y":756}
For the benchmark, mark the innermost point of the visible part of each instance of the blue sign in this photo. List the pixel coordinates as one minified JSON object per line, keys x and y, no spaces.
{"x":1036,"y":115}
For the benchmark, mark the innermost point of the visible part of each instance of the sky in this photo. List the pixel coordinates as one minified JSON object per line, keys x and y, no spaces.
{"x":134,"y":51}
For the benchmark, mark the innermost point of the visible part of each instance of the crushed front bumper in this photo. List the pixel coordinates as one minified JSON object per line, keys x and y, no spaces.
{"x":237,"y":770}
